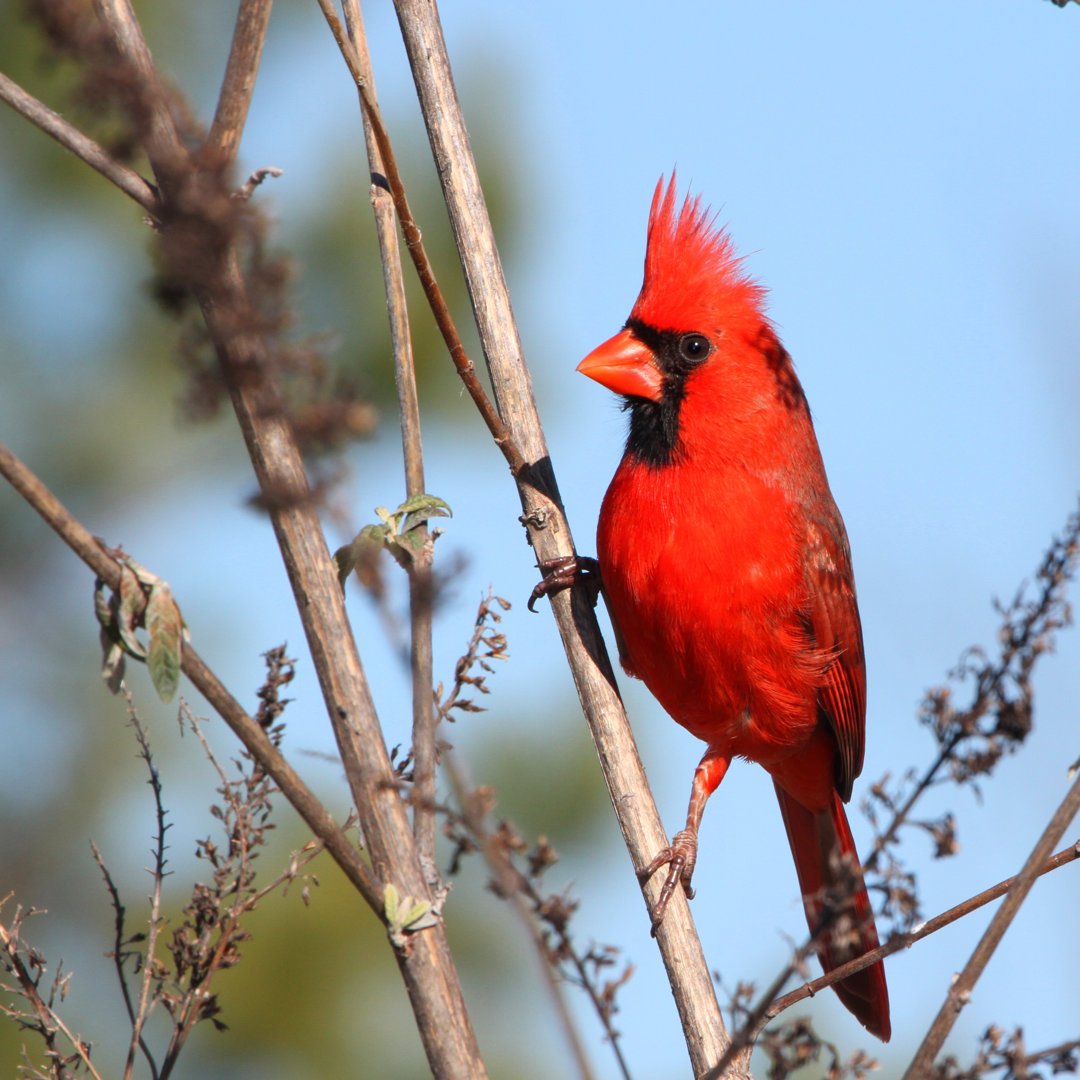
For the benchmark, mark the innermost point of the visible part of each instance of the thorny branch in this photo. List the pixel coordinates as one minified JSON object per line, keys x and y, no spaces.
{"x":138,"y":1016}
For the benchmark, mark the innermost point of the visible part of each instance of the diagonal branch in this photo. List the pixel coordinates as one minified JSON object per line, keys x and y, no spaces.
{"x":160,"y":133}
{"x":905,"y":941}
{"x":961,"y":987}
{"x":250,"y":733}
{"x":82,"y":146}
{"x":426,"y":963}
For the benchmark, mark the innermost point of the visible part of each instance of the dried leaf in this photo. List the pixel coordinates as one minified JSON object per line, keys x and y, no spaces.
{"x":132,"y":602}
{"x":112,"y":667}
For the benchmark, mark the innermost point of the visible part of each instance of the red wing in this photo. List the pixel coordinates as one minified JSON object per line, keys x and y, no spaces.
{"x":834,"y":617}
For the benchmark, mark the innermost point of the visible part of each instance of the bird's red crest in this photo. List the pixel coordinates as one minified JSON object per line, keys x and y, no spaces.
{"x":692,"y":273}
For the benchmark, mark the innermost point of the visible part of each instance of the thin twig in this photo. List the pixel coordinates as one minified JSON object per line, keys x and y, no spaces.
{"x":153,"y":921}
{"x":905,"y":941}
{"x":1025,"y":634}
{"x":414,"y":243}
{"x":82,"y":146}
{"x":510,"y":881}
{"x":962,"y":985}
{"x":421,"y":662}
{"x":48,"y":1022}
{"x":120,"y":953}
{"x":769,"y":1005}
{"x":239,"y":83}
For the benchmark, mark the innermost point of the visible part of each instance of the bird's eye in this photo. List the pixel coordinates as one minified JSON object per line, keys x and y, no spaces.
{"x":694,"y":347}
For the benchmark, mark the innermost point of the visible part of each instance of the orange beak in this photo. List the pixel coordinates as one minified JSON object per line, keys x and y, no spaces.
{"x":625,"y":365}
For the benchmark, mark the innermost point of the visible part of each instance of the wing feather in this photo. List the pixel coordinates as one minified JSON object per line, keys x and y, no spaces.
{"x":834,"y":620}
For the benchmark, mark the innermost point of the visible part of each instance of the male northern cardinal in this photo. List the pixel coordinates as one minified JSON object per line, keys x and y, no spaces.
{"x":727,"y":571}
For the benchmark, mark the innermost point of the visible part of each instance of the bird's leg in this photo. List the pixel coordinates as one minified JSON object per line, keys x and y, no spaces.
{"x":681,"y":855}
{"x":565,"y":571}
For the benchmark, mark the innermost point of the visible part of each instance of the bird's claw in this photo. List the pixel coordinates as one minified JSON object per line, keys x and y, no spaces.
{"x":565,"y":571}
{"x":679,"y":858}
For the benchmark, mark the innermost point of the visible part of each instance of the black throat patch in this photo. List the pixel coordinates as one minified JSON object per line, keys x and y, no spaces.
{"x":654,"y":437}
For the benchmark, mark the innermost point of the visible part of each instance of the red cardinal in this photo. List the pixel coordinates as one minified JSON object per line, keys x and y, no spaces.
{"x":727,"y":570}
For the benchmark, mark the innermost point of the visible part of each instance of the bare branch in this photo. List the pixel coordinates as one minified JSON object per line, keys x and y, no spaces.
{"x":548,"y":529}
{"x":421,"y":663}
{"x":163,"y":141}
{"x":239,"y":84}
{"x":71,"y":138}
{"x":905,"y":941}
{"x":221,"y":291}
{"x":413,"y":242}
{"x":153,"y":920}
{"x":961,"y":987}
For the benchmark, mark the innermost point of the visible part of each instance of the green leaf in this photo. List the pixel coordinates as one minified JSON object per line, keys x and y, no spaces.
{"x":433,"y":503}
{"x":348,"y":557}
{"x":165,"y":627}
{"x":419,"y":916}
{"x":374,"y":534}
{"x":345,"y":561}
{"x":405,"y":915}
{"x":391,"y":899}
{"x":420,"y":508}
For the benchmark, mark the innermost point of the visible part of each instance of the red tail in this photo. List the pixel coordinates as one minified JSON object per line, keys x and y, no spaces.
{"x":816,"y":842}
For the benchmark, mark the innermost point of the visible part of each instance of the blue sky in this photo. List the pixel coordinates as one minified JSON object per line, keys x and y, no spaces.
{"x":902,"y":178}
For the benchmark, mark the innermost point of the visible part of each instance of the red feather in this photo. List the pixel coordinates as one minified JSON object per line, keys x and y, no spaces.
{"x":726,"y":565}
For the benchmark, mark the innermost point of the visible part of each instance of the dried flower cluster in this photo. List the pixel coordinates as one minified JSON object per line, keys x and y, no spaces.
{"x":1008,"y":1057}
{"x":486,"y":644}
{"x":209,"y":934}
{"x":972,"y":739}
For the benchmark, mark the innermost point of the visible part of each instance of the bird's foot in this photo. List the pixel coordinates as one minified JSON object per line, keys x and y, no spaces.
{"x":679,"y":858}
{"x":565,"y":571}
